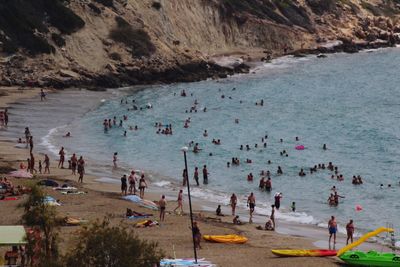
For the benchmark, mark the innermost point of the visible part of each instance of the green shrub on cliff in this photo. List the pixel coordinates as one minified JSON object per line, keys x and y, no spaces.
{"x":321,"y":6}
{"x":24,"y":23}
{"x":137,"y":40}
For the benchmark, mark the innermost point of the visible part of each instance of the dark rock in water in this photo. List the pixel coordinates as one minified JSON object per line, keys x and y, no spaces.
{"x":299,"y":55}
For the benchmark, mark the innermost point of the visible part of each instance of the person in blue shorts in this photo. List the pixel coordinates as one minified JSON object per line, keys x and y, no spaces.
{"x":332,"y":226}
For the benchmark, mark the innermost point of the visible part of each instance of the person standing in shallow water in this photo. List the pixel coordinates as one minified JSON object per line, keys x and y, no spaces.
{"x":196,"y":175}
{"x":205,"y":175}
{"x":350,"y":231}
{"x":233,"y":203}
{"x":184,"y":177}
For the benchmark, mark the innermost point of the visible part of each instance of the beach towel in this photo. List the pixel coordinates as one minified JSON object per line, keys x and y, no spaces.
{"x":189,"y":262}
{"x":8,"y":198}
{"x":142,"y":202}
{"x":72,"y":192}
{"x":48,"y":200}
{"x":74,"y":221}
{"x":20,"y":174}
{"x":65,"y":187}
{"x":146,"y":223}
{"x":48,"y":182}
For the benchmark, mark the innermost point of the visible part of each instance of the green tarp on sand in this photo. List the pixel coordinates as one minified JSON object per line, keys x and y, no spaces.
{"x":12,"y":235}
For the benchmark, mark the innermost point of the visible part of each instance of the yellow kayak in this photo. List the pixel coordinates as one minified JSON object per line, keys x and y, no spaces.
{"x":304,"y":252}
{"x":230,"y":239}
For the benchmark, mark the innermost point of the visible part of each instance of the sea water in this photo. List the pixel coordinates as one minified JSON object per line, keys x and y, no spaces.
{"x":351,"y":103}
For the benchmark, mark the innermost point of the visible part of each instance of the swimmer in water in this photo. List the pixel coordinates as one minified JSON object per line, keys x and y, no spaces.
{"x":68,"y":134}
{"x":205,"y":134}
{"x":324,"y":147}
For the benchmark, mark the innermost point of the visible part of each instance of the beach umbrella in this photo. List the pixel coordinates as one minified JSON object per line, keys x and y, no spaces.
{"x":20,"y":174}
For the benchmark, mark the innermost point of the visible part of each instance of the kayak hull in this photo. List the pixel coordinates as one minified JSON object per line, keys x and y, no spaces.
{"x":229,"y":239}
{"x":371,"y":258}
{"x":304,"y":252}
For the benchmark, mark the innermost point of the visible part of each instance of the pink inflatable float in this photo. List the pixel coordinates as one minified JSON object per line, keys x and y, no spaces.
{"x":299,"y":147}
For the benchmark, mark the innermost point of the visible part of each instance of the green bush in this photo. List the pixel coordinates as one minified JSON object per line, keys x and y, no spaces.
{"x":20,"y":20}
{"x":58,"y":39}
{"x":109,"y":3}
{"x":156,"y":5}
{"x":115,"y":56}
{"x":102,"y":245}
{"x":321,"y":6}
{"x":135,"y":39}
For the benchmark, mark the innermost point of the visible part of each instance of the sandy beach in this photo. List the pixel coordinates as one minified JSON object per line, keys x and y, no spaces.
{"x":173,"y":236}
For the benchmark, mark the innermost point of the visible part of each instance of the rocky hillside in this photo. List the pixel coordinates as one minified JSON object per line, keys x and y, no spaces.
{"x":111,"y":43}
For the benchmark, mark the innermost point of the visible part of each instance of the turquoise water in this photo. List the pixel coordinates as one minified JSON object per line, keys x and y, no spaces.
{"x":351,"y":103}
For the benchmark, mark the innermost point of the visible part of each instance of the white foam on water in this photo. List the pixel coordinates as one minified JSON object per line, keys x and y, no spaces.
{"x":46,"y":140}
{"x":108,"y":180}
{"x":161,"y":183}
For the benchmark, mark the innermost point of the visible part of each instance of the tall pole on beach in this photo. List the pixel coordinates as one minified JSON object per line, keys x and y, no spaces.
{"x":184,"y":150}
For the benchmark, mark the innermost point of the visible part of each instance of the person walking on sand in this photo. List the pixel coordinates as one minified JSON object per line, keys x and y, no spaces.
{"x":233,"y":203}
{"x":46,"y":164}
{"x":5,"y":116}
{"x":142,"y":186}
{"x":124,"y":185}
{"x":332,"y":227}
{"x":196,"y":175}
{"x":115,"y":160}
{"x":251,"y":202}
{"x":205,"y":174}
{"x":62,"y":158}
{"x":162,"y":204}
{"x":180,"y":201}
{"x":350,"y":231}
{"x":81,"y":169}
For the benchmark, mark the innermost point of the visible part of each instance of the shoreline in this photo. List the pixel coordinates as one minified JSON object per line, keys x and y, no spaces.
{"x":100,"y":201}
{"x":312,"y":232}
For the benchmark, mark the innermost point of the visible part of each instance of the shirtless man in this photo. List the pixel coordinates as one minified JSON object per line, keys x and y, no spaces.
{"x":62,"y":158}
{"x":251,"y":202}
{"x":115,"y":159}
{"x":332,"y":227}
{"x":180,"y":201}
{"x":132,"y":183}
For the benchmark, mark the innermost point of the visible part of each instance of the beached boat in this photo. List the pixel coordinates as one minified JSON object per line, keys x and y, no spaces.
{"x":371,"y":258}
{"x":231,"y":239}
{"x":304,"y":252}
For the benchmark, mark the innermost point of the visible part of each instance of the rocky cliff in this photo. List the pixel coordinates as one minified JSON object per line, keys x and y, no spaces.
{"x":111,"y":43}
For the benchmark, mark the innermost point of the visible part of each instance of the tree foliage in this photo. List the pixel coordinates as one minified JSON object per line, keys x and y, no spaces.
{"x":44,"y":218}
{"x":103,"y":245}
